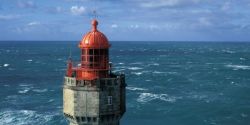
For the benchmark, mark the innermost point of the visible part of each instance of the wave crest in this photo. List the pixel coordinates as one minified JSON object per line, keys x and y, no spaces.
{"x":238,"y":67}
{"x":146,"y":97}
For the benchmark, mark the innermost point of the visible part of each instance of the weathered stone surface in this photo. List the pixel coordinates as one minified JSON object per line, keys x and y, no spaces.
{"x":98,"y":102}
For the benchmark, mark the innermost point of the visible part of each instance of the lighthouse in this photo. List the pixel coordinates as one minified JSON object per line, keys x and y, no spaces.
{"x":92,"y":93}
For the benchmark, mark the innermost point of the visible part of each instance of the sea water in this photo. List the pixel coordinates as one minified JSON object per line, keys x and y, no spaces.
{"x":168,"y":83}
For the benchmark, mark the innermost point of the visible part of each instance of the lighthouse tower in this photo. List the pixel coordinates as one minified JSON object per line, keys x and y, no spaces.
{"x":92,"y":94}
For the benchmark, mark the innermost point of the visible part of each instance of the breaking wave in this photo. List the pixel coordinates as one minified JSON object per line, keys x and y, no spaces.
{"x":146,"y":97}
{"x":135,"y":88}
{"x":238,"y":67}
{"x":137,"y":73}
{"x":134,"y":68}
{"x":29,"y":60}
{"x":25,"y":88}
{"x":23,"y":117}
{"x":40,"y":90}
{"x":23,"y":91}
{"x":6,"y":65}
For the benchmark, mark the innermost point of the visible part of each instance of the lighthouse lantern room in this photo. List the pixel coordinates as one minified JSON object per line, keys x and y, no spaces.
{"x":92,"y":94}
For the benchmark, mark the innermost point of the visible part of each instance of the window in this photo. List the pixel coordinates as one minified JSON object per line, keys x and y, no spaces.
{"x":109,"y":82}
{"x":77,"y":119}
{"x":101,"y":51}
{"x":89,"y":119}
{"x":109,"y":100}
{"x":94,"y":119}
{"x":91,"y":52}
{"x":91,"y":58}
{"x":83,"y":119}
{"x":96,"y":51}
{"x":102,"y":118}
{"x":96,"y":58}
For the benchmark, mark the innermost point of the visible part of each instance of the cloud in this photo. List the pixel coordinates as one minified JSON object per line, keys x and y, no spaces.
{"x":160,"y":3}
{"x":34,"y":26}
{"x":58,"y":9}
{"x":34,"y":23}
{"x":154,"y":27}
{"x":205,"y":21}
{"x":141,"y":16}
{"x":77,"y":0}
{"x":26,"y":4}
{"x":226,"y":6}
{"x":75,"y":10}
{"x":9,"y":17}
{"x":114,"y":26}
{"x":55,"y":10}
{"x":166,"y":3}
{"x":134,"y":26}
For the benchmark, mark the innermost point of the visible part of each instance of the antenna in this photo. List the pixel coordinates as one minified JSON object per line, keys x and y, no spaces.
{"x":94,"y":9}
{"x":70,"y":53}
{"x":94,"y":13}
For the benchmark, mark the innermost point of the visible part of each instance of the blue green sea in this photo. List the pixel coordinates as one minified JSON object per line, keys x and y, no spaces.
{"x":168,"y":83}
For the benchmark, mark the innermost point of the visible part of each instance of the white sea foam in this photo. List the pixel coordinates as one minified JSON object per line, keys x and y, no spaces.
{"x":242,"y":59}
{"x":25,"y":88}
{"x":135,"y":88}
{"x":23,"y":91}
{"x":146,"y":97}
{"x":120,"y":63}
{"x":51,"y":100}
{"x":228,"y":51}
{"x":40,"y":90}
{"x":6,"y":65}
{"x":153,"y":64}
{"x":23,"y":117}
{"x":238,"y":67}
{"x":134,"y":68}
{"x":136,"y":63}
{"x":137,"y":73}
{"x":24,"y":85}
{"x":158,"y":72}
{"x":29,"y":60}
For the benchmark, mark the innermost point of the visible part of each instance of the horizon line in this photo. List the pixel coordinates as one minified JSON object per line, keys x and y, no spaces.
{"x":121,"y":41}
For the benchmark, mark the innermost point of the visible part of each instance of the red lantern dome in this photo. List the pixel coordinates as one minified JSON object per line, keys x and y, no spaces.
{"x":94,"y":56}
{"x":94,"y":39}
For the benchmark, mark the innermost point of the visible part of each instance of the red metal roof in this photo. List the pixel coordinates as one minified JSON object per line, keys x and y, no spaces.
{"x":94,"y":38}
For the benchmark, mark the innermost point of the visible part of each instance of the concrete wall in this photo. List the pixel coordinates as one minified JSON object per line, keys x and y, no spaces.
{"x":88,"y":102}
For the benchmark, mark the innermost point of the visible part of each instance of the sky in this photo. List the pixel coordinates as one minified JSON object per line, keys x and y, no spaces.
{"x":126,"y":20}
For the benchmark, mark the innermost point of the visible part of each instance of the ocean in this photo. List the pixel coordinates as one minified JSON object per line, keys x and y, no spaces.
{"x":168,"y":83}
